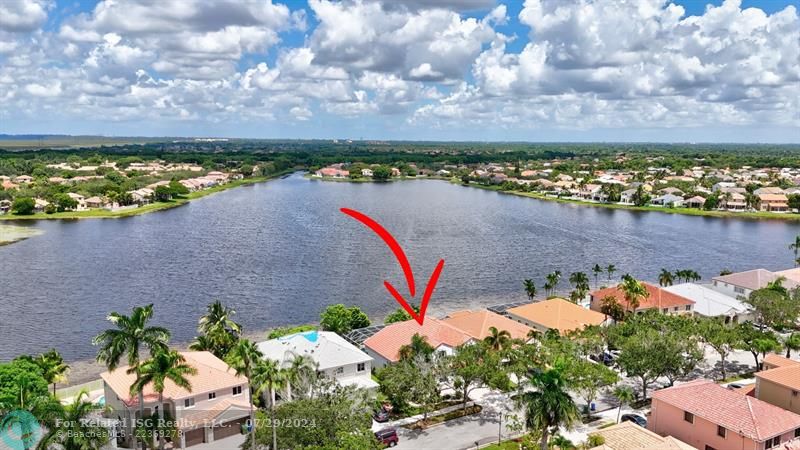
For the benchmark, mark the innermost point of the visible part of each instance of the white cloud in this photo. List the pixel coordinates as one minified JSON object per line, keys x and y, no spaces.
{"x":23,"y":15}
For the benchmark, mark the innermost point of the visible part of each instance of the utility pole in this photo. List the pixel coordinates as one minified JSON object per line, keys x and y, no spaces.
{"x":500,"y":428}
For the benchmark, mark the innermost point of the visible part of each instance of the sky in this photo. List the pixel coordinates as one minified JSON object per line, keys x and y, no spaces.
{"x":458,"y":70}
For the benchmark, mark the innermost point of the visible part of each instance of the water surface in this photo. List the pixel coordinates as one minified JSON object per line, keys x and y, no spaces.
{"x":278,"y":252}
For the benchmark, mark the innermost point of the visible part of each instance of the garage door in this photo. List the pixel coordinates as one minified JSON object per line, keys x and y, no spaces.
{"x":194,"y":437}
{"x":229,"y":428}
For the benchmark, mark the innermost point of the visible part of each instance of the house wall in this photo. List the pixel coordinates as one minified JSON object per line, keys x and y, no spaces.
{"x":536,"y":326}
{"x":202,"y":402}
{"x":378,"y":361}
{"x":778,"y":395}
{"x":667,"y":420}
{"x":737,"y":292}
{"x":349,"y":371}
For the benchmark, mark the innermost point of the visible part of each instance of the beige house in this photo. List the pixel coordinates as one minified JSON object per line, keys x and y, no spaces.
{"x":555,"y":314}
{"x":773,"y":202}
{"x":779,"y":383}
{"x":216,"y":406}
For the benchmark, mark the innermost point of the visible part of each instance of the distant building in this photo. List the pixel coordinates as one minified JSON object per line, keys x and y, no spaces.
{"x":555,"y":314}
{"x":657,"y":298}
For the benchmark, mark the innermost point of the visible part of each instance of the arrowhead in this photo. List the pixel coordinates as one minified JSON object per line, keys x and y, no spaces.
{"x":426,"y":297}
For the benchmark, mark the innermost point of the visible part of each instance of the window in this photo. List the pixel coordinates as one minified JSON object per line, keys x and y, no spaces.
{"x":688,"y":307}
{"x":721,"y":431}
{"x":774,"y":442}
{"x":666,"y":310}
{"x":188,"y":403}
{"x":212,"y":395}
{"x":689,"y":417}
{"x":237,"y":390}
{"x":338,"y":371}
{"x":738,"y":290}
{"x":360,"y":367}
{"x":797,"y":432}
{"x":675,"y":308}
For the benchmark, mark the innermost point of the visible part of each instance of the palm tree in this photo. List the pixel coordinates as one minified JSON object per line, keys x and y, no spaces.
{"x":72,"y":427}
{"x":597,"y":270}
{"x":581,"y":283}
{"x":202,"y":343}
{"x":130,"y":335}
{"x":301,"y":368}
{"x":624,"y":395}
{"x":497,"y":340}
{"x":418,"y":346}
{"x":243,"y":358}
{"x":54,"y":370}
{"x":550,"y":405}
{"x":795,"y":247}
{"x":665,"y":278}
{"x":163,"y":365}
{"x":552,"y":281}
{"x":792,"y":342}
{"x":218,"y":326}
{"x":610,"y":269}
{"x":269,"y":377}
{"x":530,"y":288}
{"x":634,"y":291}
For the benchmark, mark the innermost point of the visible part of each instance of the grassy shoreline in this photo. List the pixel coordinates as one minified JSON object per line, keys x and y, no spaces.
{"x":152,"y":207}
{"x":683,"y":211}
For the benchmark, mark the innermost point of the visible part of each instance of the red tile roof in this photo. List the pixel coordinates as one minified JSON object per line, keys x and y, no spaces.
{"x":212,"y":374}
{"x":745,"y":415}
{"x":477,"y":323}
{"x":387,"y":342}
{"x":787,"y":376}
{"x":658,"y":298}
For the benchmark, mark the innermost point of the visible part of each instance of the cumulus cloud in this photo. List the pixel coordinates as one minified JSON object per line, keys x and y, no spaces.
{"x":581,"y":64}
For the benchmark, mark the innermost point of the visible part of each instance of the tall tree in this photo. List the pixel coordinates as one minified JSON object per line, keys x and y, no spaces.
{"x":219,"y":328}
{"x":634,"y":291}
{"x":54,"y":369}
{"x":795,"y":247}
{"x":243,"y":358}
{"x":530,"y":288}
{"x":497,"y":339}
{"x":549,"y":406}
{"x":269,"y":377}
{"x":624,"y":395}
{"x":580,"y":282}
{"x":665,"y":278}
{"x":418,"y":346}
{"x":791,"y":342}
{"x":301,"y":370}
{"x":74,"y":427}
{"x":163,"y":365}
{"x":596,"y":271}
{"x":126,"y":341}
{"x":719,"y":336}
{"x":610,"y":269}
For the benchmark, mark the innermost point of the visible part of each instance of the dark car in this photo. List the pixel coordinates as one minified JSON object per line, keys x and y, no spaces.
{"x":387,"y":437}
{"x":381,"y":416}
{"x":635,"y":418}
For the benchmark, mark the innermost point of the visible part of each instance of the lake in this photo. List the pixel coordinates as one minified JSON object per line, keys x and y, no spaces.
{"x":279,"y":252}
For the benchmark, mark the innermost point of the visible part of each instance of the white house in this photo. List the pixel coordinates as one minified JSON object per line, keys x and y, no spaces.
{"x":335,"y":357}
{"x":742,"y":284}
{"x":712,"y":303}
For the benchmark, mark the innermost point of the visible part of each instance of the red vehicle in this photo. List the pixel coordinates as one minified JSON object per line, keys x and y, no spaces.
{"x":387,"y":437}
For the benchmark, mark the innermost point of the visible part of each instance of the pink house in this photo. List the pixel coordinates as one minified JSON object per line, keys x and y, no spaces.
{"x":710,"y":417}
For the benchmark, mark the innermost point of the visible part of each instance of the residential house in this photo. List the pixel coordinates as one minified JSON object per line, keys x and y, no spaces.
{"x":143,"y":195}
{"x":769,"y":190}
{"x":477,"y":324}
{"x":733,"y":201}
{"x":591,"y":192}
{"x":630,"y":436}
{"x":366,"y":172}
{"x":773,"y":202}
{"x":40,"y":204}
{"x":742,"y":284}
{"x":711,"y":417}
{"x":695,"y":202}
{"x":711,"y":303}
{"x":336,"y":358}
{"x":555,"y":314}
{"x":384,"y":346}
{"x":332,"y":172}
{"x":779,"y":383}
{"x":443,"y":173}
{"x":216,"y":406}
{"x":671,"y":190}
{"x":626,"y":197}
{"x":791,"y":275}
{"x":723,"y":184}
{"x":81,"y":200}
{"x":8,"y":185}
{"x":668,"y":200}
{"x":22,"y":179}
{"x":5,"y":206}
{"x":657,"y":298}
{"x":94,"y":202}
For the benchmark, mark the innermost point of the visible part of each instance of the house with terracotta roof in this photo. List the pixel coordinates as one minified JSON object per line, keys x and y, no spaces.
{"x":555,"y":314}
{"x":742,"y":284}
{"x":478,"y":324}
{"x":630,"y":436}
{"x":792,"y":275}
{"x":779,"y":383}
{"x":658,"y":298}
{"x":773,"y":202}
{"x":215,"y":407}
{"x":384,"y":346}
{"x":708,"y":416}
{"x":336,"y":358}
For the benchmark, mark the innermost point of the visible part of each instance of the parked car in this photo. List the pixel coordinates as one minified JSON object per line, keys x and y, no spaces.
{"x":635,"y":418}
{"x":381,"y":416}
{"x":387,"y":436}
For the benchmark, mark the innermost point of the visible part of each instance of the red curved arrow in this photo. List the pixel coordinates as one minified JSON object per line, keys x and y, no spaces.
{"x":403,"y":260}
{"x":390,"y":241}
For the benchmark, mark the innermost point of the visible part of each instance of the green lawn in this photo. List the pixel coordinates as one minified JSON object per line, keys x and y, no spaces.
{"x":157,"y":206}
